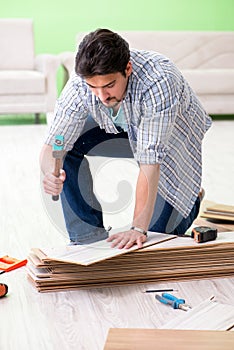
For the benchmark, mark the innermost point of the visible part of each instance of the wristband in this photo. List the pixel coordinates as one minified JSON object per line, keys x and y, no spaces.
{"x":138,"y":229}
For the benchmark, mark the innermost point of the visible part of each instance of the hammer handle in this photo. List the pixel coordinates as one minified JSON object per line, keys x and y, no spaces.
{"x":57,"y":167}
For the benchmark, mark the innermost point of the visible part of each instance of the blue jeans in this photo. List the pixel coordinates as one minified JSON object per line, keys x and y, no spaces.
{"x":83,"y":212}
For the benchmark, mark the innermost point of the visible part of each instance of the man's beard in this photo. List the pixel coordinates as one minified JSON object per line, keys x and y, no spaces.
{"x":111,"y":102}
{"x":113,"y":98}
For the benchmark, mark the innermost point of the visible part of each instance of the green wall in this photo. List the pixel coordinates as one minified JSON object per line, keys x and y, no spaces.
{"x":56,"y":23}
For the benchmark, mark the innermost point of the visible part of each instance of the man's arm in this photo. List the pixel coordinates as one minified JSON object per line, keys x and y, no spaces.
{"x":146,"y":192}
{"x":52,"y":185}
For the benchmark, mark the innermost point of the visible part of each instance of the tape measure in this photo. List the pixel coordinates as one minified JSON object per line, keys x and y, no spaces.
{"x":3,"y":289}
{"x":203,"y":234}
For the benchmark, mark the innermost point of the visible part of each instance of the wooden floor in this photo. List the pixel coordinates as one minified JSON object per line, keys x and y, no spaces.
{"x":81,"y":319}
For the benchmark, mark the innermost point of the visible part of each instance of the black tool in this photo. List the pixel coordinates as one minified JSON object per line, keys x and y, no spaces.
{"x":203,"y":234}
{"x":159,"y":290}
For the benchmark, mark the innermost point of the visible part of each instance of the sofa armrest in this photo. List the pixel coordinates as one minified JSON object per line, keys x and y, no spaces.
{"x":49,"y":64}
{"x":67,"y":59}
{"x":210,"y":81}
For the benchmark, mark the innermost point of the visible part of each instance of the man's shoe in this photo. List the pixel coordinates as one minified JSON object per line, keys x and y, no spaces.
{"x":201,"y":194}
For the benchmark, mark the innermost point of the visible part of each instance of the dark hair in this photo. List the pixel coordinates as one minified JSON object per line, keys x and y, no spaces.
{"x":102,"y":52}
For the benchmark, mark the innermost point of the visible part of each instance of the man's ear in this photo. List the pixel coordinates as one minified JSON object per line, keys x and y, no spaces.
{"x":128,"y":69}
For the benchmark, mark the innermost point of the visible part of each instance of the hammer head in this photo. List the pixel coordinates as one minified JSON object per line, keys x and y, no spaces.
{"x":58,"y":147}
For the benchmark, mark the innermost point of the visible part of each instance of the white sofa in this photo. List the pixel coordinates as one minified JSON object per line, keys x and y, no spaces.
{"x":27,"y":81}
{"x":206,"y":59}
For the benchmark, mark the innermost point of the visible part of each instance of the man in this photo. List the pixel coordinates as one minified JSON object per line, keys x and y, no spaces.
{"x":142,"y":98}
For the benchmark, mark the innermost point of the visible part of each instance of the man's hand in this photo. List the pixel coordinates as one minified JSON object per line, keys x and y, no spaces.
{"x":127,"y":239}
{"x":54,"y":185}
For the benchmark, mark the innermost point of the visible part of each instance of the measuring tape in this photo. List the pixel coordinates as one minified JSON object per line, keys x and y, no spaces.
{"x":203,"y":234}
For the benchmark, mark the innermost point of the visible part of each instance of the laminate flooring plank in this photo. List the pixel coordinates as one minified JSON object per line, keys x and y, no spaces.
{"x":150,"y":339}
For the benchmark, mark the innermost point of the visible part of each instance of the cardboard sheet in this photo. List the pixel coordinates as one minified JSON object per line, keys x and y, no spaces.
{"x":211,"y":314}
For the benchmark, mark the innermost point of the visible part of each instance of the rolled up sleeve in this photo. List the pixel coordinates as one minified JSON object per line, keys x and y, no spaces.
{"x":69,"y":116}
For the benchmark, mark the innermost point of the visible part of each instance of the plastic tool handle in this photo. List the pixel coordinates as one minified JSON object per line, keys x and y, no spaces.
{"x":173,"y":298}
{"x":172,"y":303}
{"x":163,"y":300}
{"x":176,"y":303}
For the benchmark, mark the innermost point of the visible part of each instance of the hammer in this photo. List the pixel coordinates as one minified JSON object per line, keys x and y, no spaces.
{"x":58,"y":154}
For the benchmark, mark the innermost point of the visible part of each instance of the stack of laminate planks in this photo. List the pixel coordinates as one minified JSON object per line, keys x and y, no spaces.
{"x":164,"y":258}
{"x":219,"y":212}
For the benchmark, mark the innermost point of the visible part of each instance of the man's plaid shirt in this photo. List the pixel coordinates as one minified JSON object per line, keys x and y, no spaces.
{"x":165,"y":123}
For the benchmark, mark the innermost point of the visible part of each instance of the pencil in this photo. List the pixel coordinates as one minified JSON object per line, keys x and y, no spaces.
{"x":160,"y":290}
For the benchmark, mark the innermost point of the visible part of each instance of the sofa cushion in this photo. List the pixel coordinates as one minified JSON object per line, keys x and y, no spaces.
{"x":16,"y":44}
{"x":188,"y":49}
{"x":210,"y":81}
{"x":22,"y":82}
